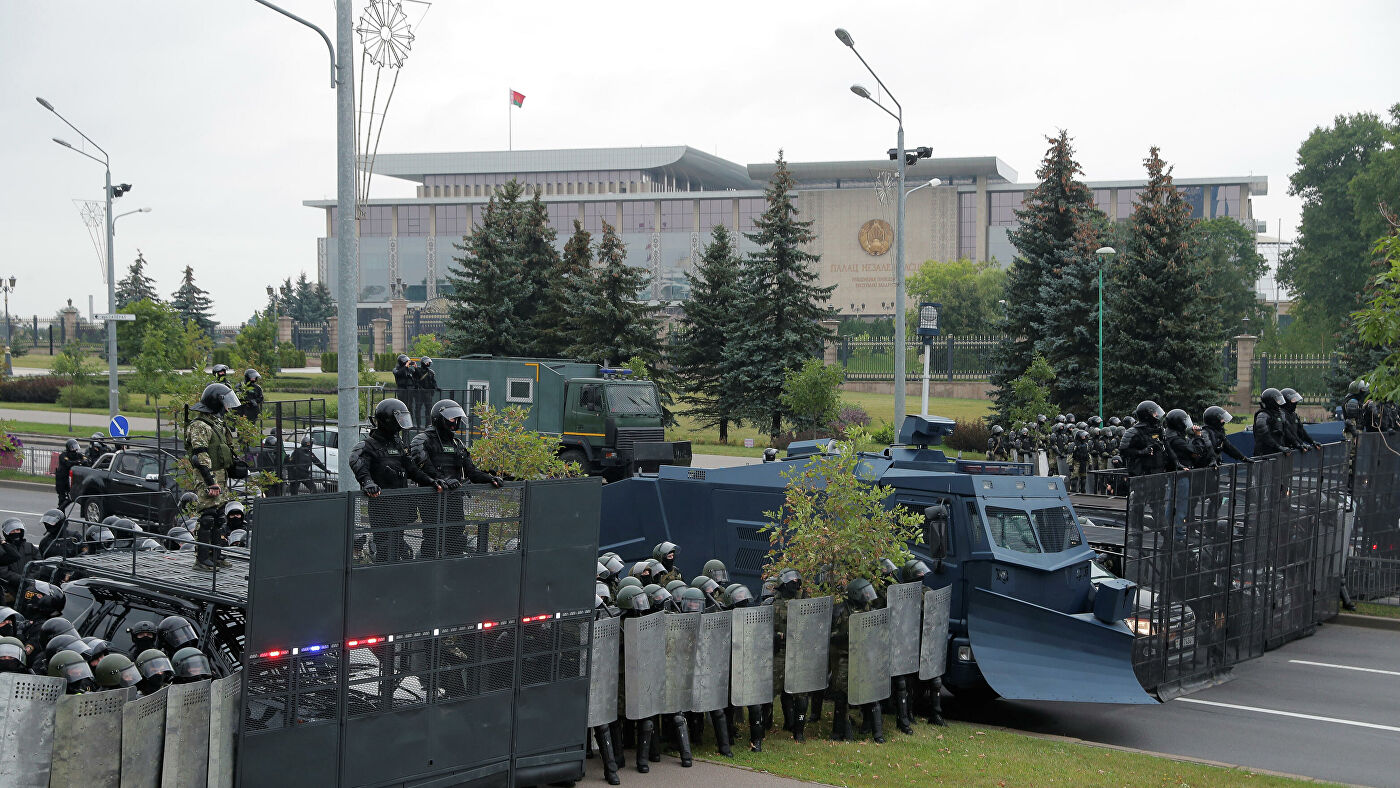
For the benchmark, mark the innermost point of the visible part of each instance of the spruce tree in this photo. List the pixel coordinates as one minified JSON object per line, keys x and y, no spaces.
{"x":1052,"y":286}
{"x":782,"y":305}
{"x":486,"y":307}
{"x":563,"y":295}
{"x":136,"y":286}
{"x":191,"y":302}
{"x":612,"y":325}
{"x":540,"y":261}
{"x":320,"y":306}
{"x":701,"y":358}
{"x":1159,"y":338}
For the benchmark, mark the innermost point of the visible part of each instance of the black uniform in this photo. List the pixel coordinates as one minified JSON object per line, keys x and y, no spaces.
{"x":66,"y":462}
{"x":15,"y":555}
{"x":299,"y":469}
{"x":403,"y":378}
{"x":252,"y":398}
{"x":1189,"y":450}
{"x":446,"y":457}
{"x":1269,"y":434}
{"x":381,"y":462}
{"x":1215,"y":437}
{"x":425,"y":391}
{"x":1143,"y":451}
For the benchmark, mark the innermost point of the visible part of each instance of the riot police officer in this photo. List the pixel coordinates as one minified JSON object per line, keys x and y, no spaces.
{"x":1141,"y":447}
{"x":97,"y":446}
{"x":634,"y":603}
{"x":1269,"y":434}
{"x":860,"y":595}
{"x":115,"y":671}
{"x":440,"y":453}
{"x":1186,"y":447}
{"x":220,"y":373}
{"x":1354,"y":406}
{"x":58,"y":539}
{"x":1293,"y":424}
{"x":15,"y":554}
{"x":380,"y":462}
{"x":1214,"y":419}
{"x":13,"y":657}
{"x":211,"y":443}
{"x":175,"y":633}
{"x":155,"y":669}
{"x":994,"y":442}
{"x":271,"y":459}
{"x":665,"y":552}
{"x":299,"y":467}
{"x":787,"y":587}
{"x":143,"y":636}
{"x":74,"y":670}
{"x":403,"y":377}
{"x":190,"y":666}
{"x":71,"y":457}
{"x":425,"y":389}
{"x":252,"y":395}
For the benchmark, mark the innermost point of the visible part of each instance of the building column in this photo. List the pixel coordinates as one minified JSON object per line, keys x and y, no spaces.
{"x":984,"y":219}
{"x":1244,"y":371}
{"x":398,"y":312}
{"x":70,"y":322}
{"x":381,"y":330}
{"x":284,"y":329}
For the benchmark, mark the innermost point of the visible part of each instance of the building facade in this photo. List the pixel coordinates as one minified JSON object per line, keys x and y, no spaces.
{"x":664,"y":202}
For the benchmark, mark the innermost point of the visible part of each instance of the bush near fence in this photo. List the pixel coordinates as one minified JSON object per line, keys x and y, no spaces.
{"x":37,"y":389}
{"x":330,"y":362}
{"x":969,"y":435}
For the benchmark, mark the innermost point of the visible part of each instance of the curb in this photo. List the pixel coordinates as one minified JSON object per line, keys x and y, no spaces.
{"x":31,"y":486}
{"x":1367,"y":622}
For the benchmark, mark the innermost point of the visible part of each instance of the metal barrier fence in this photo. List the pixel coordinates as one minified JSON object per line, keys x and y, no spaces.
{"x":439,"y":639}
{"x":33,"y":460}
{"x":1305,"y":373}
{"x":1234,"y":560}
{"x":951,"y":358}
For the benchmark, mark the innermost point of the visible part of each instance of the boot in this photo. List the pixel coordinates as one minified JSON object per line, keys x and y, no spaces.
{"x":799,"y":717}
{"x":644,"y":744}
{"x":588,"y":748}
{"x":935,"y":701}
{"x":877,"y":718}
{"x":629,"y":734}
{"x":841,"y":722}
{"x":717,"y":719}
{"x":767,"y":717}
{"x":619,"y":751}
{"x":605,"y":752}
{"x":867,"y":720}
{"x":653,"y":750}
{"x":786,"y":700}
{"x":756,"y":729}
{"x":683,"y":739}
{"x":902,"y":719}
{"x":696,"y":719}
{"x":818,"y":698}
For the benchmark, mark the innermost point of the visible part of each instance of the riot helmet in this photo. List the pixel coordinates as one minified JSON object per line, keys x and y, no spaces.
{"x":390,"y":416}
{"x":642,"y":571}
{"x":270,"y":442}
{"x":71,"y":444}
{"x":446,"y":416}
{"x":657,"y":569}
{"x":1129,"y":421}
{"x":1360,"y":388}
{"x":13,"y":529}
{"x":147,"y":544}
{"x":238,"y":537}
{"x":115,"y":671}
{"x":706,"y":584}
{"x":1069,"y":418}
{"x":56,"y":627}
{"x":613,"y":563}
{"x":738,"y":595}
{"x":124,"y":529}
{"x":13,"y":657}
{"x":425,"y":362}
{"x":221,"y":371}
{"x":628,"y":582}
{"x":601,"y":590}
{"x":1216,"y":416}
{"x":53,"y":520}
{"x":155,"y":669}
{"x":860,"y":592}
{"x":67,"y":642}
{"x":1291,"y":398}
{"x":789,"y":583}
{"x":1081,"y":425}
{"x":98,"y":648}
{"x":602,"y":572}
{"x":1271,"y":399}
{"x":715,"y":569}
{"x":216,"y":399}
{"x":251,"y":375}
{"x":1149,"y":412}
{"x":74,"y":670}
{"x":402,"y":360}
{"x":657,"y":595}
{"x":1060,"y":419}
{"x":913,"y":571}
{"x":1094,"y":432}
{"x":633,"y":600}
{"x":181,"y":537}
{"x":42,"y":600}
{"x":235,"y":509}
{"x":665,"y":552}
{"x":10,"y":621}
{"x":1041,"y":418}
{"x":1095,"y":421}
{"x":998,"y":429}
{"x":768,"y":590}
{"x":1081,"y":435}
{"x":1025,"y":432}
{"x":143,"y":635}
{"x":1114,"y":421}
{"x":98,"y":538}
{"x":692,"y":601}
{"x":190,"y":666}
{"x":675,"y":587}
{"x":1179,"y":420}
{"x":175,"y":633}
{"x":186,"y":499}
{"x":306,"y":442}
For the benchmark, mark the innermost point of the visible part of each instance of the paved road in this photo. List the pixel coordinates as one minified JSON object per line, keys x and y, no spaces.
{"x":81,"y":420}
{"x":28,"y":505}
{"x":1327,"y":707}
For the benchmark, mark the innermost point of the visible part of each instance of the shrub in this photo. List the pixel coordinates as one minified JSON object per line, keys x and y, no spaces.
{"x":848,"y":417}
{"x":427,"y":345}
{"x":90,"y":397}
{"x":508,"y":448}
{"x":383,"y":362}
{"x":37,"y":389}
{"x":330,"y":362}
{"x":969,"y":435}
{"x":883,"y":434}
{"x":223,"y":355}
{"x":289,"y":357}
{"x":296,"y":385}
{"x":812,"y":395}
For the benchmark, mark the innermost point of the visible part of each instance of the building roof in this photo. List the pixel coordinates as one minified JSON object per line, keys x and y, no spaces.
{"x":996,"y":170}
{"x":680,"y":161}
{"x":1258,"y":184}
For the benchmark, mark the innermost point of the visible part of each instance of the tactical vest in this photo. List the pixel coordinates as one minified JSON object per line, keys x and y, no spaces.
{"x":220,"y":453}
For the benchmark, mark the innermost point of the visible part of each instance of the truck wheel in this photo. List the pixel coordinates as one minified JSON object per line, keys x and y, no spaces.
{"x":575,"y":455}
{"x":92,"y":510}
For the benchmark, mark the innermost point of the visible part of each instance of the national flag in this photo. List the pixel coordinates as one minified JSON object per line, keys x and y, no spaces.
{"x":517,"y":98}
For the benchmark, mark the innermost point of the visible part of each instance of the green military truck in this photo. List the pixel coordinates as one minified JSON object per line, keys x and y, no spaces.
{"x":607,"y":421}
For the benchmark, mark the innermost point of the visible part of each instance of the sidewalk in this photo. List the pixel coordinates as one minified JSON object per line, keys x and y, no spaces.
{"x":85,"y":420}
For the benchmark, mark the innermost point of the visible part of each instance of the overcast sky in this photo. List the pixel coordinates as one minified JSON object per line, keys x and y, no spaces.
{"x":221,"y":115}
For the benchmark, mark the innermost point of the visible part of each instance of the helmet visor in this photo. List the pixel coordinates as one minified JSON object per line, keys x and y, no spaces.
{"x":77,"y":670}
{"x":128,"y":676}
{"x":193,"y":667}
{"x":230,"y":400}
{"x":180,"y":634}
{"x":720,"y":576}
{"x":159,"y":666}
{"x":640,"y":602}
{"x":708,"y":585}
{"x":453,"y":413}
{"x":11,"y":651}
{"x":404,"y":420}
{"x":691,"y":605}
{"x":865,"y":592}
{"x":741,"y":594}
{"x":602,"y":590}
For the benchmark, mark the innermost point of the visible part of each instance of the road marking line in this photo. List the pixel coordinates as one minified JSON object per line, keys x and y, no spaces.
{"x":1345,"y":667}
{"x":15,"y":511}
{"x":1292,"y":714}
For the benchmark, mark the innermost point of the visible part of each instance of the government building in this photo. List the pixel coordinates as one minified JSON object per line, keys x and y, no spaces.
{"x":664,"y":201}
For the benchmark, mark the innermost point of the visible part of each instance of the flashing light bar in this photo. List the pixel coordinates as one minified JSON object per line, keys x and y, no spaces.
{"x":380,"y":639}
{"x":541,"y":617}
{"x":365,"y":641}
{"x":614,"y":371}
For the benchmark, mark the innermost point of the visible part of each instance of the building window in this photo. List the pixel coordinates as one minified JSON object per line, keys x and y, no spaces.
{"x":595,"y":213}
{"x":967,"y":225}
{"x":562,"y":216}
{"x":1227,"y":201}
{"x":638,"y":216}
{"x":1196,"y":198}
{"x":379,"y":220}
{"x":452,"y":220}
{"x":750,"y":208}
{"x":1004,"y":208}
{"x":413,"y":220}
{"x":714,"y":213}
{"x":1103,"y":200}
{"x":677,"y":215}
{"x":520,"y":390}
{"x":1127,"y":199}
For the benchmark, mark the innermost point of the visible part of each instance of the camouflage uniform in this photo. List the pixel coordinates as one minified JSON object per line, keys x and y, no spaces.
{"x":210,"y":444}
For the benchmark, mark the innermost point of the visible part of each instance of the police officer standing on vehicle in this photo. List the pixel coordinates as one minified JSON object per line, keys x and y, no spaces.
{"x":210,"y":444}
{"x":1293,"y":425}
{"x":425,"y":389}
{"x":1215,"y":418}
{"x":299,"y":467}
{"x":252,"y":396}
{"x":403,"y":377}
{"x":1143,"y":451}
{"x":97,"y":446}
{"x":71,"y":457}
{"x":1270,"y":436}
{"x":440,"y":453}
{"x":381,"y":462}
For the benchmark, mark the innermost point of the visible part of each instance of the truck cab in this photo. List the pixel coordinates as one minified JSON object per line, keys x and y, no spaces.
{"x":604,"y":420}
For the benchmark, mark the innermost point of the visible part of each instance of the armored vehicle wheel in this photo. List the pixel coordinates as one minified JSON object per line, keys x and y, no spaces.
{"x":575,"y":455}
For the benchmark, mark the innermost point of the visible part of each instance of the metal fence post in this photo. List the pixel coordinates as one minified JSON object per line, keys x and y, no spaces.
{"x":950,"y":359}
{"x":1263,"y":371}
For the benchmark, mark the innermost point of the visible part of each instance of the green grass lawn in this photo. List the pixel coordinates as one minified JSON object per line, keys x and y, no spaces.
{"x":973,"y":755}
{"x":1374,"y":609}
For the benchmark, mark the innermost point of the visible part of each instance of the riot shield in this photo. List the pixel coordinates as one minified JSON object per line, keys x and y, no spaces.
{"x":185,"y":761}
{"x":1061,"y":466}
{"x":1042,"y":463}
{"x":143,"y":740}
{"x":933,"y":649}
{"x":682,"y":629}
{"x":27,"y":708}
{"x":751,"y":656}
{"x":602,"y":680}
{"x":905,"y":601}
{"x":87,"y":738}
{"x":710,"y":690}
{"x":224,"y":703}
{"x":807,"y":643}
{"x":869,"y":668}
{"x":644,"y":665}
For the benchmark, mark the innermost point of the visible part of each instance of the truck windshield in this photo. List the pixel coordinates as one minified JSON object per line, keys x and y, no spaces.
{"x":633,"y":400}
{"x":1049,"y":530}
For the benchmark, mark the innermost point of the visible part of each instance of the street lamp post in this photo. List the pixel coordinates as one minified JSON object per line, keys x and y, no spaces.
{"x":897,"y":153}
{"x":1104,"y":254}
{"x":106,"y":163}
{"x":7,"y":287}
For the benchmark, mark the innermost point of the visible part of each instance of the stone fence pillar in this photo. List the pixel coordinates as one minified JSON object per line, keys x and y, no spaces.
{"x":398,"y":322}
{"x":284,"y":329}
{"x":381,"y":335}
{"x":1244,"y":372}
{"x":70,"y":322}
{"x":831,"y":344}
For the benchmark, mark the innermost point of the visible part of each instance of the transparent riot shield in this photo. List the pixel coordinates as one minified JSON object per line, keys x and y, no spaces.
{"x":806,"y":645}
{"x":710,"y":689}
{"x":644,"y":665}
{"x":143,"y":740}
{"x":682,"y":630}
{"x":905,"y":601}
{"x":933,"y":648}
{"x":869,"y":668}
{"x":185,"y":761}
{"x":27,"y":708}
{"x":751,"y":656}
{"x":602,"y":679}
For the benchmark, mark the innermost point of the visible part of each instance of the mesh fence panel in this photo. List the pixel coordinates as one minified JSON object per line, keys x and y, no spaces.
{"x":421,"y":524}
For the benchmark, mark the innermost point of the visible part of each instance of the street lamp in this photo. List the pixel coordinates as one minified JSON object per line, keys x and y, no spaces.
{"x":928,"y":329}
{"x":931,"y":182}
{"x":128,"y":213}
{"x":7,"y":287}
{"x":108,"y":193}
{"x":1104,"y":254}
{"x":898,"y":154}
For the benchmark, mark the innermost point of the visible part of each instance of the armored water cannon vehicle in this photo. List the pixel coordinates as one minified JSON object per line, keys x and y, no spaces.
{"x":1027,"y":620}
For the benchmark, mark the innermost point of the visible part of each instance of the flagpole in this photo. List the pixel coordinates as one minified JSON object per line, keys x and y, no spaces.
{"x":510,"y":118}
